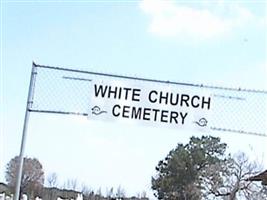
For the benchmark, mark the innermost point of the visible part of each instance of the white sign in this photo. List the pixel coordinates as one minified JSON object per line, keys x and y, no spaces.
{"x":148,"y":103}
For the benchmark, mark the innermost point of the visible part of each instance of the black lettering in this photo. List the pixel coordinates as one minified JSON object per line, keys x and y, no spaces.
{"x":100,"y":90}
{"x":155,"y":113}
{"x":126,"y":92}
{"x":161,"y":97}
{"x":114,"y":92}
{"x":174,"y":116}
{"x":184,"y":99}
{"x":136,"y":95}
{"x":146,"y":114}
{"x":183,"y":116}
{"x":136,"y":113}
{"x":125,"y":111}
{"x":205,"y":102}
{"x":119,"y":95}
{"x":164,"y":115}
{"x":193,"y":102}
{"x":174,"y":99}
{"x":150,"y":98}
{"x":113,"y":110}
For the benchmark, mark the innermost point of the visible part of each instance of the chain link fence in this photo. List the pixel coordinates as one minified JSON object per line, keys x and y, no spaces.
{"x":67,"y":91}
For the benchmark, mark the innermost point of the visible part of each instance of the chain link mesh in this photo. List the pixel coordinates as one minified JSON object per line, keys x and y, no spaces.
{"x":66,"y":91}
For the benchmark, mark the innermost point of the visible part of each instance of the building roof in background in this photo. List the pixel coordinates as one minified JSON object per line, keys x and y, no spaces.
{"x":260,"y":177}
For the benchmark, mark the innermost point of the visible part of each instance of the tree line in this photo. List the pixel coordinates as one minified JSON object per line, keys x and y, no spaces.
{"x":198,"y":170}
{"x":202,"y":170}
{"x":32,"y":184}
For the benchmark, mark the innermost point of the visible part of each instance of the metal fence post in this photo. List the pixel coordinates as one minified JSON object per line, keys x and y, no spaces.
{"x":24,"y":133}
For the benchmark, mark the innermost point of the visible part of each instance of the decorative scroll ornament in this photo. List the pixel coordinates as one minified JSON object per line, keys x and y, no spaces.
{"x":96,"y":110}
{"x":202,"y":122}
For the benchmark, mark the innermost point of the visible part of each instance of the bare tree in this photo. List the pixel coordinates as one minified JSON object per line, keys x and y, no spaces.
{"x":52,"y":180}
{"x":71,"y":184}
{"x":98,"y":195}
{"x":120,"y":193}
{"x":231,"y":183}
{"x":32,"y":175}
{"x":143,"y":194}
{"x":109,"y":192}
{"x":87,"y":192}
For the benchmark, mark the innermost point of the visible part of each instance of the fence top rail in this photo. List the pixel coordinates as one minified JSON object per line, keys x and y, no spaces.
{"x":152,"y":80}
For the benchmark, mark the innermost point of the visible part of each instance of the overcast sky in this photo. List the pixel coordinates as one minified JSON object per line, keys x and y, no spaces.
{"x":204,"y":42}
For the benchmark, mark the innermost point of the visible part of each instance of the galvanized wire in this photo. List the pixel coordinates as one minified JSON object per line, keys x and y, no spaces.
{"x":67,"y":91}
